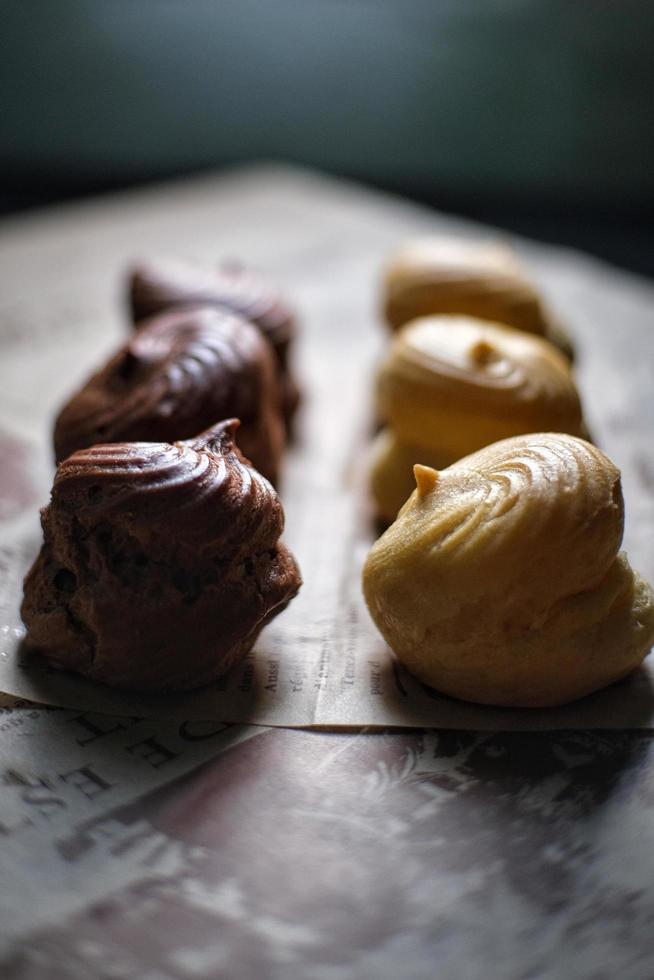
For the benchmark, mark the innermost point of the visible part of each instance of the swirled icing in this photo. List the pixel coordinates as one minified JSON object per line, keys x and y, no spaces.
{"x":160,"y":562}
{"x":217,"y":499}
{"x":162,"y":284}
{"x":480,"y":279}
{"x":179,"y":373}
{"x":451,"y":385}
{"x":501,"y":581}
{"x":455,"y":384}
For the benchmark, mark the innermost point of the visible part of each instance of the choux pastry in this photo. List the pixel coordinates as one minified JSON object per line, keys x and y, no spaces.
{"x":160,"y":564}
{"x":451,"y":385}
{"x":181,"y":372}
{"x":480,"y":279}
{"x":501,"y":582}
{"x":160,"y":285}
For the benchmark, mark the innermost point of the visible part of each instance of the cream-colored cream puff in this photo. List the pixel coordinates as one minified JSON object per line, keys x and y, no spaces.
{"x":451,"y":385}
{"x":501,"y":580}
{"x":480,"y":279}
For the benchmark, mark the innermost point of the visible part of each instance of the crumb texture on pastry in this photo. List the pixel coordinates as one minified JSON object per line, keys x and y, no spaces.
{"x":180,"y":373}
{"x":501,"y":581}
{"x":160,"y":562}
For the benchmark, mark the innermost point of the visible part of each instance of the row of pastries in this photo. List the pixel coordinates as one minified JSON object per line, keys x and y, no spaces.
{"x":500,"y":578}
{"x":161,"y":559}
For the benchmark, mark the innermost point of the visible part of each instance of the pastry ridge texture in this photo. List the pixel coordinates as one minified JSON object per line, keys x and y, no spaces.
{"x":453,"y":384}
{"x":481,"y":279}
{"x":158,"y":285}
{"x":501,"y":580}
{"x":180,"y":373}
{"x":161,"y":563}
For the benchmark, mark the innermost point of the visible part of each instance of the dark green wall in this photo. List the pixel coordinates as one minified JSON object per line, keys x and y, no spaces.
{"x":506,"y":100}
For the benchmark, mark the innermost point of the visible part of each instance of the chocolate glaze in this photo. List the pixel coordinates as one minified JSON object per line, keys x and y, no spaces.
{"x":158,"y":285}
{"x":180,"y":373}
{"x":160,"y":563}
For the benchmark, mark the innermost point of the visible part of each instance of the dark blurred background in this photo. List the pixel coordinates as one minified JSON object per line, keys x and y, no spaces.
{"x":532,"y":114}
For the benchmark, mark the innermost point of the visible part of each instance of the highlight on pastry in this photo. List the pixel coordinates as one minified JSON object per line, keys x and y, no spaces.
{"x":160,"y":565}
{"x":157,"y":285}
{"x":451,"y":385}
{"x":180,"y":373}
{"x":501,"y":581}
{"x":480,"y":279}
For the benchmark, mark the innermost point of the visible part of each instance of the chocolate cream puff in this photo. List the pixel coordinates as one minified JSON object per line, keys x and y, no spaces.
{"x":179,"y":374}
{"x":161,"y":563}
{"x":479,"y":279}
{"x":451,"y":385}
{"x":159,"y":284}
{"x":501,"y":580}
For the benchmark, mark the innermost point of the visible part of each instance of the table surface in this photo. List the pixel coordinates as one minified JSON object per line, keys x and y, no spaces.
{"x":155,"y":850}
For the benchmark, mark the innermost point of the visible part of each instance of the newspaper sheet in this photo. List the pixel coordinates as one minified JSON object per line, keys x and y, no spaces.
{"x":321,"y":663}
{"x":62,"y":774}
